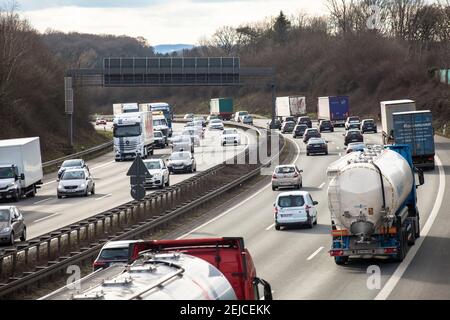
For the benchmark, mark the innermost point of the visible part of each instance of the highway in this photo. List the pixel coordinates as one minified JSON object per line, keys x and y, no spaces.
{"x":296,"y":261}
{"x":45,"y":212}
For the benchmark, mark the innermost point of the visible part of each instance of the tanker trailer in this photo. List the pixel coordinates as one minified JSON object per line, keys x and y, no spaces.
{"x":373,"y":203}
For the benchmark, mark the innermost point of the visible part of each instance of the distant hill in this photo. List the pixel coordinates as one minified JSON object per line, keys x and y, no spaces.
{"x":169,"y":48}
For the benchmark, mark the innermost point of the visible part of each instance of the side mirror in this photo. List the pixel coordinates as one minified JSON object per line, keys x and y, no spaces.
{"x":274,"y":205}
{"x":267,"y":291}
{"x":13,"y":220}
{"x":22,"y":177}
{"x":421,"y":177}
{"x":59,"y":167}
{"x":315,"y":203}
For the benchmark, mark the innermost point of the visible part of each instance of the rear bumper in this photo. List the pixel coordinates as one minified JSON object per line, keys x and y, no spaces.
{"x":291,"y":222}
{"x":317,"y":150}
{"x":386,"y":251}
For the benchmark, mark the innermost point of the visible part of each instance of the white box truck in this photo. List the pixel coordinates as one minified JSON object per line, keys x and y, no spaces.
{"x":20,"y":168}
{"x":119,"y":108}
{"x":133,"y":135}
{"x":293,"y":106}
{"x":388,"y":108}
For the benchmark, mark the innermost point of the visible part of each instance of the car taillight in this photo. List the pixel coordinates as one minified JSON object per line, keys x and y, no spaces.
{"x":390,"y":250}
{"x":349,"y":150}
{"x":274,"y":176}
{"x":275,"y":211}
{"x":98,"y":264}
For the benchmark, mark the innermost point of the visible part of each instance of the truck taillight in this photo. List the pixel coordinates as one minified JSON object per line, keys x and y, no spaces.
{"x":390,"y":250}
{"x":336,"y":253}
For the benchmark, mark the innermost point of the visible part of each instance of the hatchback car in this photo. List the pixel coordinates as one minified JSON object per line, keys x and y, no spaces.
{"x":12,"y":225}
{"x":202,"y":119}
{"x":311,"y":133}
{"x":295,"y":208}
{"x":193,"y":133}
{"x":316,"y":145}
{"x":368,"y":125}
{"x":72,"y":164}
{"x":354,"y":120}
{"x":182,"y":162}
{"x":355,"y":146}
{"x":75,"y":182}
{"x":238,"y":115}
{"x":305,"y":120}
{"x":247,"y":119}
{"x":353,"y":135}
{"x":276,"y":125}
{"x":212,"y":117}
{"x":100,"y":122}
{"x":287,"y":176}
{"x":160,"y":139}
{"x":182,"y":143}
{"x":215,"y":124}
{"x":326,"y":125}
{"x":159,"y":172}
{"x":113,"y":252}
{"x":231,"y":136}
{"x":299,"y":130}
{"x":287,"y":127}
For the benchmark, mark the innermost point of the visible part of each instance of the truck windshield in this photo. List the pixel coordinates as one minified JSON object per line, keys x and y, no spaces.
{"x":4,"y":215}
{"x":7,"y":173}
{"x":127,"y":131}
{"x":291,"y":201}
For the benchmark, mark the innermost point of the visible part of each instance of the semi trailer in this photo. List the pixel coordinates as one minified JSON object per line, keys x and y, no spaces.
{"x":388,"y":108}
{"x":335,"y":109}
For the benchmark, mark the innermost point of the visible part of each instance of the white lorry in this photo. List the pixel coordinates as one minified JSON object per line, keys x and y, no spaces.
{"x":20,"y":168}
{"x":119,"y":108}
{"x":294,"y":106}
{"x":388,"y":108}
{"x":133,"y":135}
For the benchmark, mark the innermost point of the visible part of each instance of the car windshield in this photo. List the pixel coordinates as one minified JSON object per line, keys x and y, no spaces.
{"x":353,"y":133}
{"x":4,"y":215}
{"x":183,"y":138}
{"x":73,"y":175}
{"x":7,"y":173}
{"x":358,"y":146}
{"x":159,"y":122}
{"x":71,"y":163}
{"x":285,"y":169}
{"x":114,"y":254}
{"x":180,"y":156}
{"x":326,"y":122}
{"x":158,"y":134}
{"x":289,"y":123}
{"x":127,"y":131}
{"x":353,"y":119}
{"x":153,"y":165}
{"x":301,"y":128}
{"x":231,"y":131}
{"x":216,"y":121}
{"x":291,"y":201}
{"x":313,"y":131}
{"x":368,"y":122}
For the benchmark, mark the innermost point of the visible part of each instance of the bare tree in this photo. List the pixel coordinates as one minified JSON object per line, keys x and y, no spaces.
{"x":228,"y":39}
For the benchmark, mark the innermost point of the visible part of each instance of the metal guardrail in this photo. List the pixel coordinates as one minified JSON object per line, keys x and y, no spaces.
{"x":95,"y":149}
{"x":134,"y":219}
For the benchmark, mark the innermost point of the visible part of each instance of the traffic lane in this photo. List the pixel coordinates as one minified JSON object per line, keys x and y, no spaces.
{"x":428,"y":275}
{"x":112,"y":188}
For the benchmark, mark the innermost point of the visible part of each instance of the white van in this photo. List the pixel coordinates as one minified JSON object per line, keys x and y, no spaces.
{"x":238,"y":115}
{"x":295,"y":208}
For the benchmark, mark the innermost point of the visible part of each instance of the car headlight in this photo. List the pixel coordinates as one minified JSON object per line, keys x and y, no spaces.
{"x":83,"y":185}
{"x":7,"y":229}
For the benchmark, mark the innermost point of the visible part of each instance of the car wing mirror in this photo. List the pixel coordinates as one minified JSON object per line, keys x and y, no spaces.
{"x":315,"y":203}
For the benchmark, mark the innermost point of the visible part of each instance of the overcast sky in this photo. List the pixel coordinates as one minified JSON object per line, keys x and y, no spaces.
{"x":159,"y":21}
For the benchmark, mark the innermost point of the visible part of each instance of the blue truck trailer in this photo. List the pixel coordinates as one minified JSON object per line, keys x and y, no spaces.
{"x":415,"y":128}
{"x":335,"y":108}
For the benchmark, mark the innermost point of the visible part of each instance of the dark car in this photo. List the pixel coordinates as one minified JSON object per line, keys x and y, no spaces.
{"x":368,"y":125}
{"x":287,"y":127}
{"x":311,"y":133}
{"x":286,"y":119}
{"x":326,"y":125}
{"x":355,"y":146}
{"x":353,"y":135}
{"x":299,"y":130}
{"x":353,"y":125}
{"x":316,"y":145}
{"x":305,"y":120}
{"x":160,"y":139}
{"x":277,"y":124}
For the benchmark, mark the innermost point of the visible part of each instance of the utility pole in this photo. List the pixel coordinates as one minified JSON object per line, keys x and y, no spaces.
{"x":273,"y":86}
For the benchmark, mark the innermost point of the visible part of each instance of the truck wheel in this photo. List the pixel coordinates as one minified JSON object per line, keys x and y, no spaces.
{"x":32,"y":193}
{"x":402,"y":248}
{"x":277,"y":227}
{"x":274,"y":188}
{"x":340,"y":260}
{"x":16,"y":196}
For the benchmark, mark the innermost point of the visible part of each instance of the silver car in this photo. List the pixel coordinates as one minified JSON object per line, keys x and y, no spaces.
{"x":75,"y":182}
{"x":287,"y":176}
{"x":12,"y":225}
{"x":182,"y":143}
{"x":72,"y":164}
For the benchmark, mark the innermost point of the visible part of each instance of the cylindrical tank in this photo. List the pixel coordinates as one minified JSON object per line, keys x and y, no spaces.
{"x":355,"y":197}
{"x":168,"y":276}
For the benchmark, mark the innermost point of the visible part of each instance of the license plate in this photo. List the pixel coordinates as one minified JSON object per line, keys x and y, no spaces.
{"x":71,"y":190}
{"x":316,"y":146}
{"x":286,"y":215}
{"x":364,"y":251}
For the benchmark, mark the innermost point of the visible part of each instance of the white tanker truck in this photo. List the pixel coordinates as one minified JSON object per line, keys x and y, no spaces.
{"x":373,"y":203}
{"x":187,"y":269}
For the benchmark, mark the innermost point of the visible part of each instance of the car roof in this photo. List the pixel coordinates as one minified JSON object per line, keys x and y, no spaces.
{"x":285,"y":166}
{"x":311,"y":129}
{"x":152,"y":160}
{"x":354,"y":130}
{"x":73,"y":160}
{"x":119,"y":244}
{"x":315,"y":139}
{"x":302,"y":125}
{"x":75,"y":170}
{"x":368,"y":120}
{"x":293,"y":193}
{"x":6,"y":207}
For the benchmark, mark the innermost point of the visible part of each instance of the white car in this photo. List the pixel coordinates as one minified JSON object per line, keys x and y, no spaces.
{"x":215,"y":124}
{"x":212,"y":117}
{"x":75,"y":182}
{"x":182,"y":143}
{"x":287,"y":176}
{"x":160,"y":174}
{"x":239,"y":114}
{"x":295,"y":208}
{"x":192,"y":132}
{"x":231,"y":136}
{"x":188,"y":116}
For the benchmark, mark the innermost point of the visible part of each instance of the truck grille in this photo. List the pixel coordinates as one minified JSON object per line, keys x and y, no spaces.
{"x":123,"y":146}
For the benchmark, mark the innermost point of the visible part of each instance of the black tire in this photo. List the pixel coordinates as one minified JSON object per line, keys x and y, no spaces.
{"x":301,"y":184}
{"x":274,"y":188}
{"x":402,"y":248}
{"x":340,"y":261}
{"x":307,"y":153}
{"x":86,"y":193}
{"x":326,"y":153}
{"x":59,"y":197}
{"x":277,"y":227}
{"x":168,"y":182}
{"x":93,"y":190}
{"x":11,"y":239}
{"x":162,"y":184}
{"x":311,"y":223}
{"x":23,"y":237}
{"x":32,"y":193}
{"x":315,"y":222}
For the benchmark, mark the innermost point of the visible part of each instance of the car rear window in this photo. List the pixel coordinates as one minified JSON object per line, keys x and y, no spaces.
{"x":285,"y":169}
{"x":114,"y":254}
{"x":291,"y":201}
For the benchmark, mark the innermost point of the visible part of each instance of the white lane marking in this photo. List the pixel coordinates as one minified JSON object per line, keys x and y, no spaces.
{"x":105,"y":196}
{"x":322,"y":185}
{"x":270,"y":227}
{"x":100,"y":166}
{"x":42,"y":201}
{"x":239,"y":204}
{"x":395,"y":278}
{"x":340,"y":154}
{"x":45,"y":218}
{"x":314,"y":254}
